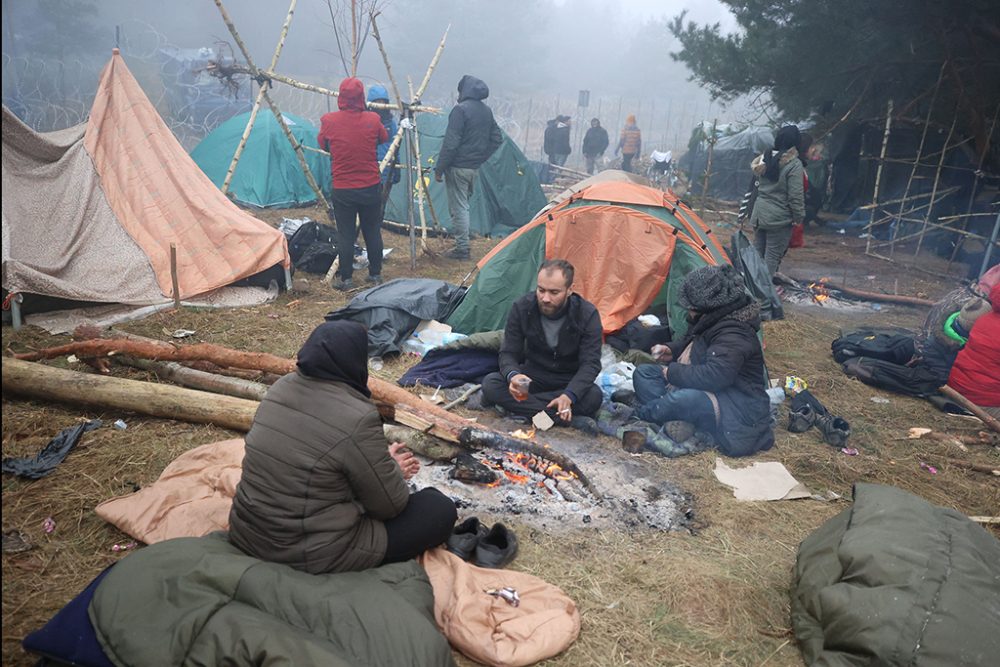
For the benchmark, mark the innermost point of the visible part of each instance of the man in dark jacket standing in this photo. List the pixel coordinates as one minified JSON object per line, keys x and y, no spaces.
{"x":551,"y":351}
{"x":595,"y":142}
{"x":713,"y":379}
{"x":352,"y":135}
{"x":471,"y":138}
{"x":556,"y":140}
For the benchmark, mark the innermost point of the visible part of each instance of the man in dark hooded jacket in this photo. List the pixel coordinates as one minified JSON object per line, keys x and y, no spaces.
{"x":352,"y":136}
{"x":556,"y":140}
{"x":595,"y":142}
{"x":713,"y":379}
{"x":471,"y":138}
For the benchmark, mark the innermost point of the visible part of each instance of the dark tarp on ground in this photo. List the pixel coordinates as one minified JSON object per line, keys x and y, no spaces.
{"x":200,"y":601}
{"x":392,"y":311}
{"x":447,"y":368}
{"x":52,"y":454}
{"x":731,"y":176}
{"x":895,"y":581}
{"x":748,"y":262}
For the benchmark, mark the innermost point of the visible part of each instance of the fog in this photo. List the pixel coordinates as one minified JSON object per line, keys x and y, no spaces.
{"x":535,"y":55}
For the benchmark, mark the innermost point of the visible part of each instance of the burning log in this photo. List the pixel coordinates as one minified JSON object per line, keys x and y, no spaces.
{"x":422,"y":443}
{"x":478,"y":437}
{"x":469,"y":469}
{"x":825,"y":284}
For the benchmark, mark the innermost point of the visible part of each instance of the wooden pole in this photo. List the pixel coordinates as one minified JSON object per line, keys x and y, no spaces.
{"x":708,"y":166}
{"x":920,"y":151}
{"x":420,"y":175}
{"x":527,"y":125}
{"x":388,"y":67}
{"x":48,"y":383}
{"x":878,"y":174}
{"x":937,"y":179}
{"x":354,"y":37}
{"x":409,"y":195}
{"x":174,"y":281}
{"x":975,"y":186}
{"x":256,"y":105}
{"x":434,"y":62}
{"x":320,"y":198}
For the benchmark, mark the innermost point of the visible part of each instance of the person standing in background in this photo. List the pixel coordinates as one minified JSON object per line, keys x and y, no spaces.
{"x":595,"y":142}
{"x":471,"y":138}
{"x":556,"y":142}
{"x":390,"y":175}
{"x":351,"y":136}
{"x":630,"y":143}
{"x":780,"y":201}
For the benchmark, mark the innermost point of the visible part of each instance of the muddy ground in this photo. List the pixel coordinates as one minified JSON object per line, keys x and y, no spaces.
{"x":714,"y":592}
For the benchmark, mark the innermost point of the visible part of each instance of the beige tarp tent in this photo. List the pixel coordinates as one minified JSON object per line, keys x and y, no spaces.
{"x":90,"y":212}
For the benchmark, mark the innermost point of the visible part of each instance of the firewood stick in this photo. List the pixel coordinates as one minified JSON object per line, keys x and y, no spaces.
{"x":992,"y":422}
{"x":196,"y":379}
{"x":465,"y":395}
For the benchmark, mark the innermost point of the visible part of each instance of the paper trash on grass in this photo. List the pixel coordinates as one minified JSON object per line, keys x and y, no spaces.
{"x":761,"y":481}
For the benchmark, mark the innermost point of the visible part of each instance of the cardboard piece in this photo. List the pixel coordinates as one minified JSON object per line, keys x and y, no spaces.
{"x":761,"y":481}
{"x":542,"y":421}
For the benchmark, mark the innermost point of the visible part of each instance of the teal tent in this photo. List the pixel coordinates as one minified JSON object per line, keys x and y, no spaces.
{"x":506,"y":196}
{"x":268,"y":173}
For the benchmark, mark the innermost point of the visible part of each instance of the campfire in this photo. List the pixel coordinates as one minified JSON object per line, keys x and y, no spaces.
{"x":819,"y":291}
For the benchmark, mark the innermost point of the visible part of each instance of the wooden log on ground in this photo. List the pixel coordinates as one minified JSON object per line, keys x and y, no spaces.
{"x":250,"y":376}
{"x":862,"y":294}
{"x":189,"y":377}
{"x":992,"y":422}
{"x":382,"y":391}
{"x":422,"y":443}
{"x":108,"y":393}
{"x":476,"y":437}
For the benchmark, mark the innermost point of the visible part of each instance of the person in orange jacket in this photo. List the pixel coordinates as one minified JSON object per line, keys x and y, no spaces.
{"x":630,"y":143}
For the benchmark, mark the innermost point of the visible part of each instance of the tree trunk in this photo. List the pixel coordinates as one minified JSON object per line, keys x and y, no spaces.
{"x":107,"y":393}
{"x":422,"y":443}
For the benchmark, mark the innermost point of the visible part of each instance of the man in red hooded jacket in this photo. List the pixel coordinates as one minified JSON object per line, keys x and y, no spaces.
{"x":976,"y":371}
{"x":352,"y":135}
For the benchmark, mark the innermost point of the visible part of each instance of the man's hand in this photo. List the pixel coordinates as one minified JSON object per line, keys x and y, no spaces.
{"x":405,"y":459}
{"x":518,"y":386}
{"x":665,"y":369}
{"x":662,"y":353}
{"x":438,"y":176}
{"x":563,"y":406}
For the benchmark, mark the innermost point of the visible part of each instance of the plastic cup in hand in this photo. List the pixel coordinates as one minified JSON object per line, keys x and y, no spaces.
{"x":521,"y":388}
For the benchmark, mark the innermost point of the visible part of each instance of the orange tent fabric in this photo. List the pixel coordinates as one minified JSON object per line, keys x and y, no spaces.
{"x":90,"y":213}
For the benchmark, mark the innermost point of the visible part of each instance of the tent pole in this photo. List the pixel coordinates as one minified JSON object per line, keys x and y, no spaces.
{"x":408,"y":120}
{"x":937,"y":179}
{"x":708,"y":167}
{"x":989,"y":249}
{"x":878,"y":175}
{"x":975,"y":186}
{"x":420,"y":176}
{"x":15,"y":311}
{"x":257,"y":101}
{"x":920,"y":152}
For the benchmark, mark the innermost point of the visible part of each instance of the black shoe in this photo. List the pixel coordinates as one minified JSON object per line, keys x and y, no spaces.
{"x":836,"y":431}
{"x":801,"y":419}
{"x":374,"y":280}
{"x":585,"y":424}
{"x":455,"y":253}
{"x":465,"y":537}
{"x":497,"y":548}
{"x":624,"y":396}
{"x":343,"y":285}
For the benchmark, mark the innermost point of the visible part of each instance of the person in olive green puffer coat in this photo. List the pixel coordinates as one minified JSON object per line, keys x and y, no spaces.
{"x":780,"y":200}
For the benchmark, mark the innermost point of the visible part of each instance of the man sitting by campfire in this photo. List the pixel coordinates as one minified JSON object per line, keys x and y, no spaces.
{"x":713,"y":379}
{"x":551,"y":352}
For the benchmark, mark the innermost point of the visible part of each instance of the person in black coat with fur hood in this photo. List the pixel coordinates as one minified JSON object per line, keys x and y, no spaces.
{"x":713,"y":379}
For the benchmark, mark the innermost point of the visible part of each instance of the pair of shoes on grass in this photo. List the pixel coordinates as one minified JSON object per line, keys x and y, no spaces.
{"x":473,"y":542}
{"x":347,"y":284}
{"x":807,"y":412}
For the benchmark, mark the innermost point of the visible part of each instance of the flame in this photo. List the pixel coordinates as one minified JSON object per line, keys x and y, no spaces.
{"x":819,"y":291}
{"x":529,"y":463}
{"x":524,"y":435}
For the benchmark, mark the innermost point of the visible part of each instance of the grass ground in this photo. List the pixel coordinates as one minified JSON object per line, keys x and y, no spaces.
{"x":718,"y":596}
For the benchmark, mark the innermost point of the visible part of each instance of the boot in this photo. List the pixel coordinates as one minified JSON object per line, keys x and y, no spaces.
{"x":835,"y":430}
{"x":678,"y":431}
{"x":497,"y":548}
{"x":465,"y":537}
{"x":801,"y":419}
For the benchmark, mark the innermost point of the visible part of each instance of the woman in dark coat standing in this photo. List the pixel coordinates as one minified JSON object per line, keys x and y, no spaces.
{"x":780,"y":201}
{"x":322,"y":490}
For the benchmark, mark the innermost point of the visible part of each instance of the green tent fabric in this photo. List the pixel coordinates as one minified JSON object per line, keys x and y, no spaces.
{"x":895,"y":581}
{"x":268,"y":173}
{"x":506,"y":195}
{"x":611,"y":217}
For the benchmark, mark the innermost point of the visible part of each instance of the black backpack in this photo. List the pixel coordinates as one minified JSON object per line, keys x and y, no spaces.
{"x":313,"y":247}
{"x":892,"y":346}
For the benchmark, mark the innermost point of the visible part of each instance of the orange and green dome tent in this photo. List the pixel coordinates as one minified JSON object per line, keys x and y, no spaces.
{"x":631,"y":245}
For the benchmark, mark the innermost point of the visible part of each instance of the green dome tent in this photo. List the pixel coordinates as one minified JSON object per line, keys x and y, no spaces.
{"x":506,"y":195}
{"x":268,"y":174}
{"x":631,"y":245}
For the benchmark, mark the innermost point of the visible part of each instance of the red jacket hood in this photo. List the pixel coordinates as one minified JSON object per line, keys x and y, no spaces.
{"x":352,"y":95}
{"x":995,"y":298}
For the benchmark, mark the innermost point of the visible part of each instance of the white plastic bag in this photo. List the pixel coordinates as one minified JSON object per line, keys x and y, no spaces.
{"x":614,"y":377}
